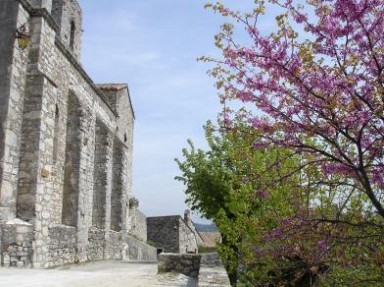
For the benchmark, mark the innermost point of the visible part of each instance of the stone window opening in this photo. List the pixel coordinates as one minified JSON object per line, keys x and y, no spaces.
{"x":56,"y":135}
{"x":125,"y":137}
{"x":72,"y":35}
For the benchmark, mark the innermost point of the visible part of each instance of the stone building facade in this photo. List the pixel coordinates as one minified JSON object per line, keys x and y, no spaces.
{"x":173,"y":234}
{"x":65,"y":144}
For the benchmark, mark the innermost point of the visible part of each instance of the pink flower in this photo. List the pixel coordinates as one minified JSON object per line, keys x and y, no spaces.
{"x":262,"y":194}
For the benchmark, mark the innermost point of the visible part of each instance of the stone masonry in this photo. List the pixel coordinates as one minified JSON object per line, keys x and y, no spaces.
{"x":65,"y":145}
{"x":173,"y":234}
{"x":138,"y":221}
{"x":187,"y":264}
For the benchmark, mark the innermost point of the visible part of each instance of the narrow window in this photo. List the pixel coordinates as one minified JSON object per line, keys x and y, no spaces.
{"x":56,"y":135}
{"x":72,"y":36}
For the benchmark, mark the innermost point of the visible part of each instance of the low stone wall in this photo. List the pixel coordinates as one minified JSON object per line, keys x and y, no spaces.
{"x":125,"y":247}
{"x":138,"y":250}
{"x":115,"y":246}
{"x":211,"y":259}
{"x":187,"y":264}
{"x":138,"y":224}
{"x":17,"y":237}
{"x":16,"y":248}
{"x":62,"y":245}
{"x":96,"y":247}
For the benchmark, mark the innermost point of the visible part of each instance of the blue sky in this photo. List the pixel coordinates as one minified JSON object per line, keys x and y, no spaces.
{"x":152,"y":45}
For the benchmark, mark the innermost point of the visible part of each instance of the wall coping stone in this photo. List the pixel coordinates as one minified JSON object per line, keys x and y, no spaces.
{"x":17,"y":221}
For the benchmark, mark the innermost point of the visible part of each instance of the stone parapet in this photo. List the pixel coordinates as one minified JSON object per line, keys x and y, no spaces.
{"x":187,"y":264}
{"x":138,"y":224}
{"x":139,"y":251}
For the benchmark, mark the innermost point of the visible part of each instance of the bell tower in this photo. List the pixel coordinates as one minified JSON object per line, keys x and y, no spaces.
{"x":68,"y":16}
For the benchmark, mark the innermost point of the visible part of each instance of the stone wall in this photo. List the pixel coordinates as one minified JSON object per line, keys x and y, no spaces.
{"x":65,"y":144}
{"x":125,"y":247}
{"x":172,"y":234}
{"x":62,"y":245}
{"x":187,"y":264}
{"x":68,"y":16}
{"x":164,"y":232}
{"x":188,"y":222}
{"x":187,"y":239}
{"x":96,"y":244}
{"x":13,"y":70}
{"x":137,"y":250}
{"x":138,"y":224}
{"x":16,"y":243}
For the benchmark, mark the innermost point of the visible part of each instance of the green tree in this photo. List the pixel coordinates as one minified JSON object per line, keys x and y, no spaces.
{"x":279,"y":227}
{"x":228,"y":184}
{"x":316,"y":84}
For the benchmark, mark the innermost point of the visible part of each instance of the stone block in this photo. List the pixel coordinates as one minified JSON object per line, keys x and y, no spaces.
{"x":22,"y":229}
{"x":6,"y":259}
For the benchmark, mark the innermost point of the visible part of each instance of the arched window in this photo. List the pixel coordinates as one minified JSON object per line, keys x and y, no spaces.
{"x":72,"y":35}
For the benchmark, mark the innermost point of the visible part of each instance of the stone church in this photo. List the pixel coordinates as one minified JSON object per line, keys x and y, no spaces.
{"x":65,"y":145}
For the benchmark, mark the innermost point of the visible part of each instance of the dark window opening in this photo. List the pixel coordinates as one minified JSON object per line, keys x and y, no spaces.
{"x":72,"y":35}
{"x":56,"y":135}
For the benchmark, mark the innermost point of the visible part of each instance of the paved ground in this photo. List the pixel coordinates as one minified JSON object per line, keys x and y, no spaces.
{"x":98,"y":274}
{"x":212,"y":272}
{"x":213,"y":277}
{"x":114,"y":274}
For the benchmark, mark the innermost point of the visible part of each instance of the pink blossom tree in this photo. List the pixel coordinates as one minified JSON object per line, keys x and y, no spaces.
{"x":315,"y":86}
